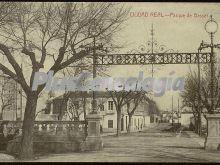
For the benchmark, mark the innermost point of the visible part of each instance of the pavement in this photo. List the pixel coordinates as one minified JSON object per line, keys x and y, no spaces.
{"x":154,"y":144}
{"x":196,"y":137}
{"x":6,"y":158}
{"x":125,"y":132}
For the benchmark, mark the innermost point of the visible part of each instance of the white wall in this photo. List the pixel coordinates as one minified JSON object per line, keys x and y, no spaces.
{"x":104,"y":122}
{"x":147,"y":120}
{"x":134,"y":126}
{"x":9,"y":115}
{"x":112,"y":115}
{"x":185,"y":119}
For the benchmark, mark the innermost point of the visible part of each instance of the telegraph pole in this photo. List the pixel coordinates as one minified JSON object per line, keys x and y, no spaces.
{"x":152,"y":47}
{"x":178,"y":111}
{"x":172,"y":110}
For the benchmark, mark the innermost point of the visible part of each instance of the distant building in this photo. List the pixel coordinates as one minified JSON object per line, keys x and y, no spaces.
{"x":57,"y":107}
{"x":165,"y":116}
{"x":12,"y":103}
{"x":187,"y":117}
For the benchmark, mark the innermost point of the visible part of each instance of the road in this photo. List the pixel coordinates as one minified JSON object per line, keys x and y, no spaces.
{"x":152,"y":145}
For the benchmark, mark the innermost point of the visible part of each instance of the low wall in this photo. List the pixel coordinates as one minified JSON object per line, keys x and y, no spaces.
{"x":48,"y":144}
{"x":49,"y":136}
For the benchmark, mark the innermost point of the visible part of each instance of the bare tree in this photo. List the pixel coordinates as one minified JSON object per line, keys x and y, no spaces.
{"x":51,"y":33}
{"x":191,"y":98}
{"x":79,"y":67}
{"x":119,"y":99}
{"x":132,"y":101}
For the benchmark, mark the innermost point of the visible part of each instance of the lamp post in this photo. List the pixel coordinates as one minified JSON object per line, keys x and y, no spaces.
{"x":92,"y":32}
{"x":94,"y":101}
{"x":212,"y":138}
{"x":199,"y":94}
{"x":211,"y":28}
{"x":93,"y":139}
{"x":93,"y":46}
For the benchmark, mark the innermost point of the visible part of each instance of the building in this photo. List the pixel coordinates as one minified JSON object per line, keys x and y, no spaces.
{"x":187,"y":117}
{"x":11,"y":100}
{"x":153,"y":111}
{"x":165,"y":116}
{"x":78,"y":104}
{"x":170,"y":117}
{"x":174,"y":117}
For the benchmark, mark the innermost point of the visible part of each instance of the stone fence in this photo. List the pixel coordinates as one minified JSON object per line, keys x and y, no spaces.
{"x":57,"y":136}
{"x":49,"y":136}
{"x":72,"y":128}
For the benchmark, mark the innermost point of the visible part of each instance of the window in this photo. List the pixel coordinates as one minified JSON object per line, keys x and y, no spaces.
{"x":101,"y":107}
{"x":110,"y":123}
{"x":110,"y":105}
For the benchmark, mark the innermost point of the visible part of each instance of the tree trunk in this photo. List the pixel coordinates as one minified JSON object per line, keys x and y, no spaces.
{"x":1,"y":115}
{"x":26,"y":151}
{"x":118,"y":122}
{"x":84,"y":108}
{"x":129,"y":123}
{"x":196,"y":124}
{"x":199,"y":124}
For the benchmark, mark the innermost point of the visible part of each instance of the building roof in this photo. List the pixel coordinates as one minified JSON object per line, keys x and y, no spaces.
{"x":152,"y":106}
{"x":98,"y":94}
{"x":186,"y":110}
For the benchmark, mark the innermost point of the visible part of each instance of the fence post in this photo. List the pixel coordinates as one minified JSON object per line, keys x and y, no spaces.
{"x":93,"y":140}
{"x":212,"y":140}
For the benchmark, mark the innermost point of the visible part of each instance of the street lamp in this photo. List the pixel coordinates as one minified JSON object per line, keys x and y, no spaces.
{"x":94,"y":101}
{"x":211,"y":28}
{"x":94,"y":33}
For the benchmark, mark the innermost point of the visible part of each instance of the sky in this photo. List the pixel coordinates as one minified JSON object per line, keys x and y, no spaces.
{"x":177,"y":26}
{"x":181,"y":30}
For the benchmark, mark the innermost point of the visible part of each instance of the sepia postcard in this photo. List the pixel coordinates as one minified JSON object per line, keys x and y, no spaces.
{"x":109,"y":82}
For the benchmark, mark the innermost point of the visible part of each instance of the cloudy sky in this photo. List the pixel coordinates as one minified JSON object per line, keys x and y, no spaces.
{"x":174,"y":28}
